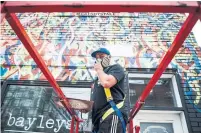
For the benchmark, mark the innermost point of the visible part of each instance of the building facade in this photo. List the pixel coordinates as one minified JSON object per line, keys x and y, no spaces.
{"x":137,"y":41}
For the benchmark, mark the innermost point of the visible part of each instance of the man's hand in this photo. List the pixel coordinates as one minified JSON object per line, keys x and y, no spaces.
{"x":98,"y":67}
{"x":106,"y":80}
{"x":84,"y":111}
{"x":92,"y":86}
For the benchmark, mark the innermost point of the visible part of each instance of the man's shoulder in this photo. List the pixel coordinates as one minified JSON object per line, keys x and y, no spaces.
{"x":116,"y":69}
{"x":116,"y":66}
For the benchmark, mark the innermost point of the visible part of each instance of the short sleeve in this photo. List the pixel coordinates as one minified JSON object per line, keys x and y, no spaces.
{"x":117,"y":71}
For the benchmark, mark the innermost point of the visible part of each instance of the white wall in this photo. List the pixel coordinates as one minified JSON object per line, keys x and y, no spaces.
{"x":197,"y":32}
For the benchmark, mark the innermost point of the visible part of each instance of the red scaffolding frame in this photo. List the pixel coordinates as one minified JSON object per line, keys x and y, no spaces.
{"x":9,"y":9}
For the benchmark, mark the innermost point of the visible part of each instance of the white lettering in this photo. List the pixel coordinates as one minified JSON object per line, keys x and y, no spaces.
{"x":50,"y":121}
{"x":59,"y":125}
{"x":41,"y":120}
{"x":21,"y":122}
{"x":30,"y":123}
{"x":10,"y":117}
{"x":68,"y":124}
{"x":95,"y":14}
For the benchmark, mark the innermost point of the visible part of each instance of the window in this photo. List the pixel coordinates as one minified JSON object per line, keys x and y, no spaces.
{"x":152,"y":121}
{"x":163,"y":111}
{"x":164,"y":94}
{"x":32,"y":107}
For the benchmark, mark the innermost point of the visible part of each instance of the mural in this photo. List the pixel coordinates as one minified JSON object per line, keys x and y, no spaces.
{"x":66,"y":40}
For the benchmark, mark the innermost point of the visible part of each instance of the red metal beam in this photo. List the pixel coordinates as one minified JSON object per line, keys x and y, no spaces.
{"x":131,"y":126}
{"x":137,"y":129}
{"x":3,"y":12}
{"x":77,"y":126}
{"x":21,"y":33}
{"x":200,"y":11}
{"x":104,"y":6}
{"x":72,"y":125}
{"x":177,"y":43}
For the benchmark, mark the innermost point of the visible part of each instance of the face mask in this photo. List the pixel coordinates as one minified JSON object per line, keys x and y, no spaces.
{"x":105,"y":62}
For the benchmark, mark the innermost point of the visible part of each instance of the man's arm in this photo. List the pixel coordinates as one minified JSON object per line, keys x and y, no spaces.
{"x":107,"y":81}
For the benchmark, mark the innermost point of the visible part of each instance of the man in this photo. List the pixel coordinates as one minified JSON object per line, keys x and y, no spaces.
{"x":112,"y":77}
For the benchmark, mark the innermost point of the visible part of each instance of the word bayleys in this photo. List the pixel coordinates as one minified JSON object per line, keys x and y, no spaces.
{"x":37,"y":122}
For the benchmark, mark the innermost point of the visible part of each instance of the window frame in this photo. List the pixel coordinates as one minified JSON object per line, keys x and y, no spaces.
{"x":167,"y":117}
{"x":6,"y":83}
{"x":168,"y":76}
{"x":180,"y":90}
{"x":62,"y":84}
{"x":168,"y":72}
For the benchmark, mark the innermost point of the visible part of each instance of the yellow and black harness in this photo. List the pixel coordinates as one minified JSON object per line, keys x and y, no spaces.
{"x":114,"y":108}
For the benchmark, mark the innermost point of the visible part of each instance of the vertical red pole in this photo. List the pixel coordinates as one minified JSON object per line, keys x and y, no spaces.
{"x":77,"y":126}
{"x":3,"y":11}
{"x":131,"y":126}
{"x":200,"y":12}
{"x":72,"y":124}
{"x":137,"y":129}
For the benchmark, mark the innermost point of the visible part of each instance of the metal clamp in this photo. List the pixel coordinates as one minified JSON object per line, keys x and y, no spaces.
{"x":141,"y":102}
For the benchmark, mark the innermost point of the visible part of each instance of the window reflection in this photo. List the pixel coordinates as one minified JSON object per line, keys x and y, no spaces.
{"x":151,"y":127}
{"x":162,"y":95}
{"x":32,"y":108}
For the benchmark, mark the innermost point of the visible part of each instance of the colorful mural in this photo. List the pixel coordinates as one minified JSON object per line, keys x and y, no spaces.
{"x":66,"y":40}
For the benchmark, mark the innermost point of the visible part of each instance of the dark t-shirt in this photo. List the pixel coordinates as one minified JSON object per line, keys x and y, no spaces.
{"x":100,"y":103}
